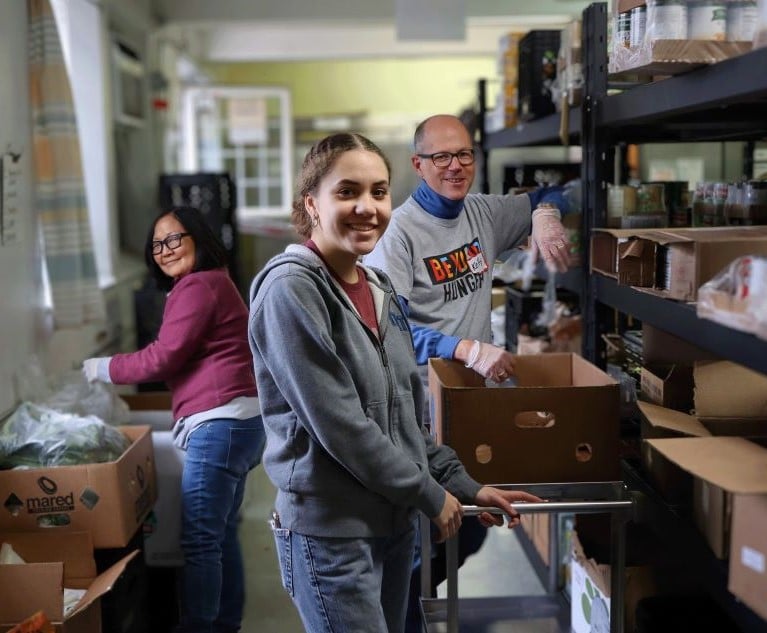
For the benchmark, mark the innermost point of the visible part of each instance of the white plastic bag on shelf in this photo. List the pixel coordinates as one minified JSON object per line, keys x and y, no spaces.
{"x":737,"y":296}
{"x":519,"y":266}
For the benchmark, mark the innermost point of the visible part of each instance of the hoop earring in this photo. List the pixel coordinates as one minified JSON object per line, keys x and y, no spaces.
{"x":315,"y":221}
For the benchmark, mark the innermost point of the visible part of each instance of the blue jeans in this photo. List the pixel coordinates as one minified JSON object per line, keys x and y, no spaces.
{"x":347,"y":585}
{"x":219,"y":455}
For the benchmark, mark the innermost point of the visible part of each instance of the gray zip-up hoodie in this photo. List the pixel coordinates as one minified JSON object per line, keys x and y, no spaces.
{"x":345,"y":445}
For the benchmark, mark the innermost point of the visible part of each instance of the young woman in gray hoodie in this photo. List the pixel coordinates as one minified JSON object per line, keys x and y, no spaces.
{"x":341,"y":400}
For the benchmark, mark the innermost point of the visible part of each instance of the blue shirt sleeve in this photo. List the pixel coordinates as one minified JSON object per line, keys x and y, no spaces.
{"x":554,"y":195}
{"x":428,"y":342}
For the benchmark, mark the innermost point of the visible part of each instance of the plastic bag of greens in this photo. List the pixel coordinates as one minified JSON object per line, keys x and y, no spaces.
{"x":37,"y":436}
{"x":74,"y":394}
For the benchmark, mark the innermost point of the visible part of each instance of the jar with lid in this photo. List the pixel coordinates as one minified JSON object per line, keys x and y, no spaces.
{"x":742,"y":18}
{"x":623,"y":30}
{"x":755,"y":201}
{"x":707,"y":20}
{"x":666,"y":20}
{"x":638,"y":25}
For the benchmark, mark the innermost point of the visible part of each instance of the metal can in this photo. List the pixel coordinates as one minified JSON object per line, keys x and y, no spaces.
{"x":638,"y":24}
{"x":707,"y":20}
{"x":742,"y":18}
{"x":666,"y":20}
{"x":623,"y":33}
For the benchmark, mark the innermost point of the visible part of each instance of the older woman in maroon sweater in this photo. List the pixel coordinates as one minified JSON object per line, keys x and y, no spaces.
{"x":202,"y":354}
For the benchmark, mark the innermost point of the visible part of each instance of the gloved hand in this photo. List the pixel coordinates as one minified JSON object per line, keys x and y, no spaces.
{"x":97,"y":369}
{"x":549,"y":239}
{"x":490,"y":361}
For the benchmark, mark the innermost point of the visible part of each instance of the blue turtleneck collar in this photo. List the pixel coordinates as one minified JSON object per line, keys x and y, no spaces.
{"x":435,"y":204}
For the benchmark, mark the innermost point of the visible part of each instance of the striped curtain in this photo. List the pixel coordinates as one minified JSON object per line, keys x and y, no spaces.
{"x":59,"y":187}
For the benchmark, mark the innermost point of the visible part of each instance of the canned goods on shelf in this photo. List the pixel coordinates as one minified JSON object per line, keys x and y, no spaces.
{"x":666,"y":20}
{"x":707,"y":20}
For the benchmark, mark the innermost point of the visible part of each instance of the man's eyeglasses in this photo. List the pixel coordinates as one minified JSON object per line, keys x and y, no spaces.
{"x":173,"y":241}
{"x":443,"y":159}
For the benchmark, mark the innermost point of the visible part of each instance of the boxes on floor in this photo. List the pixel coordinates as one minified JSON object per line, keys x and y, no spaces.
{"x":723,"y":469}
{"x":560,"y":423}
{"x":590,"y":592}
{"x":162,"y":528}
{"x":54,"y":562}
{"x":110,"y":500}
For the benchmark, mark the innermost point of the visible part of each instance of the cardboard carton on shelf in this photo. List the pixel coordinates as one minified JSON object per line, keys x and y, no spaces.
{"x":748,"y":552}
{"x":724,"y":389}
{"x":674,"y":483}
{"x":671,"y":263}
{"x":672,"y":57}
{"x":53,"y":562}
{"x":109,"y":500}
{"x":669,"y":385}
{"x":723,"y":469}
{"x":560,"y":423}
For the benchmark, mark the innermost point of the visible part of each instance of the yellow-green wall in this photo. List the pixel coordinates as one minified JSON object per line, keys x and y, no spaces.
{"x":375,"y":87}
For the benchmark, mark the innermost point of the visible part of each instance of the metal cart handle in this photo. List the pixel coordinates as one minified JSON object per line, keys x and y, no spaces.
{"x":581,"y":507}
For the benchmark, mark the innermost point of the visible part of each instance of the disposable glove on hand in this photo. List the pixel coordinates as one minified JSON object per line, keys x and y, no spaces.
{"x":549,"y":239}
{"x":490,"y":361}
{"x":97,"y":369}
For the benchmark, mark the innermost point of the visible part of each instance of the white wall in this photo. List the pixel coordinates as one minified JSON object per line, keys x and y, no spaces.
{"x":20,"y":284}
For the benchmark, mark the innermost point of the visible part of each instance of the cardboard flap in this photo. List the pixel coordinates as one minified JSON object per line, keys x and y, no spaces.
{"x":662,"y":417}
{"x":635,"y":248}
{"x":103,"y":583}
{"x":731,"y":463}
{"x":73,"y":549}
{"x":29,"y":588}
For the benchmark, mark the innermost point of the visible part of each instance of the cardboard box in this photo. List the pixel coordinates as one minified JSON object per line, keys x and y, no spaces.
{"x":627,"y":5}
{"x":748,"y":556}
{"x":672,"y":57}
{"x":55,"y":561}
{"x":673,"y":262}
{"x":667,"y":385}
{"x":110,"y":500}
{"x":561,"y":423}
{"x":162,"y":528}
{"x":725,"y":389}
{"x":658,"y":346}
{"x":674,"y":483}
{"x":723,"y":468}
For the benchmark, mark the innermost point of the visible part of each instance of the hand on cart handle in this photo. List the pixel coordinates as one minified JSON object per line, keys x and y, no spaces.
{"x":449,"y":519}
{"x":502,"y":499}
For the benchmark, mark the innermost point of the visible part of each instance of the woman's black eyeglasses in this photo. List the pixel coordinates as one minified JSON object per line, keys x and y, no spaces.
{"x":443,"y":159}
{"x":173,"y":241}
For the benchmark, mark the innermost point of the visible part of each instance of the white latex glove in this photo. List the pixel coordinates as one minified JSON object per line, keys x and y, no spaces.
{"x":97,"y":369}
{"x":549,"y":239}
{"x":490,"y":361}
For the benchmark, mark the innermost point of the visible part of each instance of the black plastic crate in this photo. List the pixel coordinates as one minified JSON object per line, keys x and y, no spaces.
{"x":538,"y":52}
{"x":215,"y":195}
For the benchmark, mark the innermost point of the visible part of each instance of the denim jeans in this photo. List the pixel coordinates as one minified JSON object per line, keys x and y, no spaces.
{"x":219,"y":455}
{"x":347,"y":585}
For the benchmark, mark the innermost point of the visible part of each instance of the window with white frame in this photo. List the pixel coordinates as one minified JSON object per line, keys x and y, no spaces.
{"x":246,"y":132}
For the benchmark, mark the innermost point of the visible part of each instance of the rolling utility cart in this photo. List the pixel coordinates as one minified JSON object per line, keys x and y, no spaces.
{"x":451,"y":614}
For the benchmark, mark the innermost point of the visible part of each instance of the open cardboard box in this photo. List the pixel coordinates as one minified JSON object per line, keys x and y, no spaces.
{"x":560,"y":423}
{"x":693,"y":256}
{"x":674,"y":483}
{"x":668,"y":385}
{"x":723,"y":468}
{"x":110,"y":500}
{"x":53,"y":562}
{"x":724,"y":389}
{"x":162,"y":528}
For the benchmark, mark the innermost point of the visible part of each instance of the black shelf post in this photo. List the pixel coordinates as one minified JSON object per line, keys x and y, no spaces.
{"x":595,"y":166}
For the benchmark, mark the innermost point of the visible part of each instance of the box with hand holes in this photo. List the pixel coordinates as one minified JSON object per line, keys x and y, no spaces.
{"x":560,"y":423}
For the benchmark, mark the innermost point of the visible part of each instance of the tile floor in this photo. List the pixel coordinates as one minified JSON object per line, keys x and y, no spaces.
{"x":500,"y":568}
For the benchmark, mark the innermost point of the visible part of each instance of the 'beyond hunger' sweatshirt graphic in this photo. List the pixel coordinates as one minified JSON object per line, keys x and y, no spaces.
{"x":459,"y":272}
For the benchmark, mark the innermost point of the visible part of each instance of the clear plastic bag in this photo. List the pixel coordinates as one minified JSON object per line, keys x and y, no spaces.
{"x":737,"y":296}
{"x":37,"y":436}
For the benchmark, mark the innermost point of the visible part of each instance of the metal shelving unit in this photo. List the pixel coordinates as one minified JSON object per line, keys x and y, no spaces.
{"x":724,"y":101}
